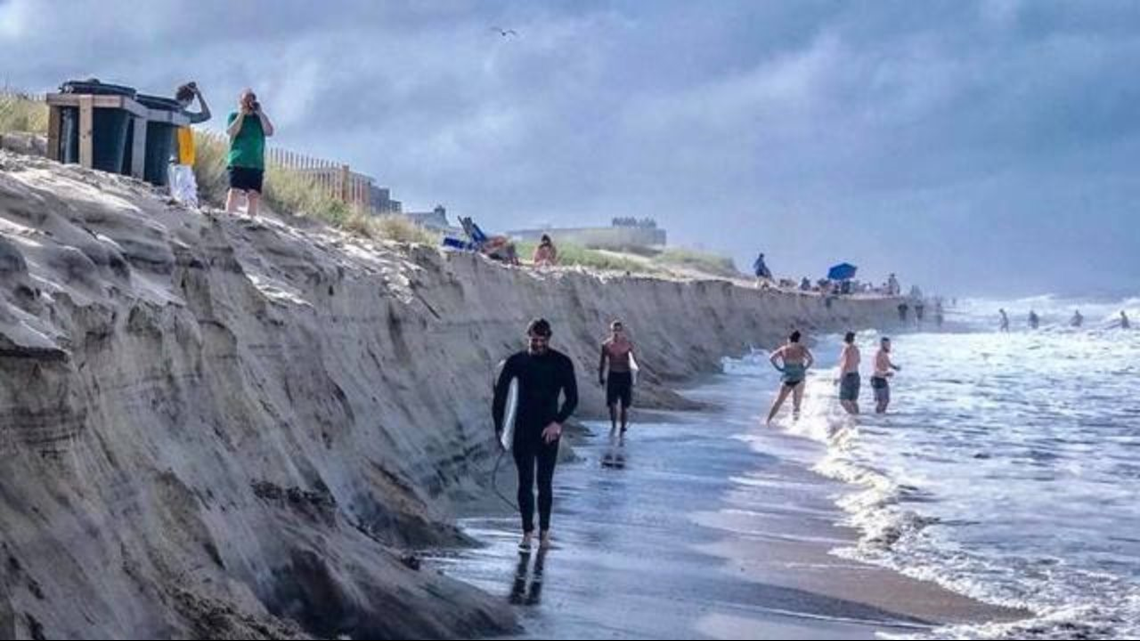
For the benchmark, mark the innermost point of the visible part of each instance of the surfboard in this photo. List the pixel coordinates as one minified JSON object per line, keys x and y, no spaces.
{"x":634,"y":368}
{"x":507,"y":429}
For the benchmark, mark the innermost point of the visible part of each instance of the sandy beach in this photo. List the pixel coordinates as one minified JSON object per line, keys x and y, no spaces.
{"x":279,"y":284}
{"x":305,"y":407}
{"x":685,"y":530}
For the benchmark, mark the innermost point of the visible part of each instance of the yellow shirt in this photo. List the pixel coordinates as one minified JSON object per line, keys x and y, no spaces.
{"x":186,"y":155}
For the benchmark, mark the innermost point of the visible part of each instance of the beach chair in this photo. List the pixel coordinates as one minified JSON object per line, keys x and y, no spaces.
{"x":475,"y":237}
{"x":496,"y":247}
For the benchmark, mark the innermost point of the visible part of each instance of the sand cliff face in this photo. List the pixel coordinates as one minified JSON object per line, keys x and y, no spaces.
{"x":213,"y":427}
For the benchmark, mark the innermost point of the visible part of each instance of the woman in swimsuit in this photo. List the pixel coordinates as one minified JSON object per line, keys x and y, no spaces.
{"x":792,"y":361}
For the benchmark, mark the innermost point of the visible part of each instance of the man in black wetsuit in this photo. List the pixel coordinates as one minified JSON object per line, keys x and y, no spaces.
{"x":544,"y":374}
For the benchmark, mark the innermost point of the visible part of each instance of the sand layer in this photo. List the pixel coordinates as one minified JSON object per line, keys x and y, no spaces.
{"x":218,"y":428}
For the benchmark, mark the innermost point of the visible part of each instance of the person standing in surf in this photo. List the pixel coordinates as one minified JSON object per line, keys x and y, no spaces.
{"x":884,"y":370}
{"x":1124,"y":322}
{"x":1004,"y":320}
{"x":544,"y":376}
{"x":792,"y":361}
{"x":617,"y":350}
{"x":849,"y":382}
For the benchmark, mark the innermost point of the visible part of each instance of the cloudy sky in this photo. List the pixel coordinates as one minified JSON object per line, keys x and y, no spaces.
{"x":972,"y":147}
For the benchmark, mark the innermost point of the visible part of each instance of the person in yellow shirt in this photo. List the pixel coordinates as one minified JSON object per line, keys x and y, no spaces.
{"x":183,"y":185}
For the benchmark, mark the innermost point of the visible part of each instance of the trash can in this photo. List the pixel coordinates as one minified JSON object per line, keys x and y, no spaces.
{"x":159,"y":142}
{"x":108,"y":128}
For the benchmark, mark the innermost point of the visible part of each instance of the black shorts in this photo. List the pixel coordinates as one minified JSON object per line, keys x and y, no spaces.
{"x":619,"y":387}
{"x":882,"y":388}
{"x":246,"y":178}
{"x":849,"y":387}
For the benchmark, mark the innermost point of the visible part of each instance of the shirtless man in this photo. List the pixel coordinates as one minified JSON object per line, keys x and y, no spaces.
{"x":884,"y":370}
{"x":849,"y":360}
{"x":618,"y":351}
{"x":792,"y":361}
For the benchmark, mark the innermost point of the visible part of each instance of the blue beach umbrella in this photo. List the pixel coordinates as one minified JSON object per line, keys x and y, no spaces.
{"x":842,"y":271}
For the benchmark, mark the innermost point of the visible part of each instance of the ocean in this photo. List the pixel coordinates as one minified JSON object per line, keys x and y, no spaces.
{"x":1008,"y":468}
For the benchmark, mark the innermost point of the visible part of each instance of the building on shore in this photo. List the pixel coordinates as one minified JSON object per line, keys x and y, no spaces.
{"x":623,"y":233}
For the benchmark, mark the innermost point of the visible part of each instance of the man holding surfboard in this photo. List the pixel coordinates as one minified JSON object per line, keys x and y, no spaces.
{"x":528,"y":421}
{"x":618,"y":351}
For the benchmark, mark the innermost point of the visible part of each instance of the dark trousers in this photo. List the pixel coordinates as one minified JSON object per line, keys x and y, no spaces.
{"x":530,"y":454}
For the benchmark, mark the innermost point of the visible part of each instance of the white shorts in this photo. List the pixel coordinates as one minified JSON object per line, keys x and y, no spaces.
{"x":183,"y":185}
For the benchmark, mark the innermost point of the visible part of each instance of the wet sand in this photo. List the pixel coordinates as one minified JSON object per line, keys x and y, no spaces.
{"x":681,"y":530}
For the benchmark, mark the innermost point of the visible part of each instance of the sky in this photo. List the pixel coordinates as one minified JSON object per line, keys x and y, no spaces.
{"x":971,"y":147}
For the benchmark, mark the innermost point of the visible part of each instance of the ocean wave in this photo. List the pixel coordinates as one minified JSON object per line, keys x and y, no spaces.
{"x":1037,"y":425}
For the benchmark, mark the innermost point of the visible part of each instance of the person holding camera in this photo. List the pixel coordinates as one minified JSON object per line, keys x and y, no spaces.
{"x":247,"y":128}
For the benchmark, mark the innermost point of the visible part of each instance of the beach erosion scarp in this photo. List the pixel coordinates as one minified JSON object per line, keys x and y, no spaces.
{"x":220,"y":427}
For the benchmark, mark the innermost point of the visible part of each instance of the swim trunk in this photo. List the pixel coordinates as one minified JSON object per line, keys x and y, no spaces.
{"x":882,"y":387}
{"x":619,"y":387}
{"x":246,"y":179}
{"x":849,"y":387}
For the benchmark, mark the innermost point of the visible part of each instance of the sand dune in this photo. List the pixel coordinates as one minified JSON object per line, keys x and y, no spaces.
{"x":220,"y":428}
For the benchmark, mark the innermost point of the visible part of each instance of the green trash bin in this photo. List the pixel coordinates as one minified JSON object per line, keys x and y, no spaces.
{"x":159,"y":142}
{"x":109,"y":126}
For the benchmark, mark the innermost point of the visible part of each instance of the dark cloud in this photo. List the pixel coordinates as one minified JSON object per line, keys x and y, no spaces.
{"x":970,"y":145}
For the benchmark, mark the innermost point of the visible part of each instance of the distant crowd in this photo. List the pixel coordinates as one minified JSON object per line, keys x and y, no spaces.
{"x":1077,"y":320}
{"x":827,"y":286}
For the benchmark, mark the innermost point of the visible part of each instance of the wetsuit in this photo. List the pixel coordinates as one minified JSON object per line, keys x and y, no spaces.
{"x":542,"y":379}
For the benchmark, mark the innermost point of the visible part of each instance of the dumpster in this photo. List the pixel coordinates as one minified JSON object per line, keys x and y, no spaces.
{"x":159,"y":141}
{"x":108,"y":128}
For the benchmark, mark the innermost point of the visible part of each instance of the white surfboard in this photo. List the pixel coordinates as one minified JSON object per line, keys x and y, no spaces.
{"x":634,"y":368}
{"x":507,"y":429}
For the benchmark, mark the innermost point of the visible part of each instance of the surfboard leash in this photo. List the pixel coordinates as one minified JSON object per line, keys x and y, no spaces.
{"x":495,"y":481}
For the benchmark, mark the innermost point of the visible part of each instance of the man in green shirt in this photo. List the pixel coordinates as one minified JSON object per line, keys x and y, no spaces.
{"x":247,"y":127}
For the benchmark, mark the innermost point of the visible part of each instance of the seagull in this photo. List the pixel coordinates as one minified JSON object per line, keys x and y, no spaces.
{"x":505,"y":32}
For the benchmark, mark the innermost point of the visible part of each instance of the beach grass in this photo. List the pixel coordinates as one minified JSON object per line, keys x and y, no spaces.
{"x":293,"y":193}
{"x":19,"y":113}
{"x":704,"y":262}
{"x":577,"y":255}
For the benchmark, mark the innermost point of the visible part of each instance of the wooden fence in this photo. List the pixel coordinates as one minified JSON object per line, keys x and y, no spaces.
{"x":8,"y":92}
{"x":336,"y":178}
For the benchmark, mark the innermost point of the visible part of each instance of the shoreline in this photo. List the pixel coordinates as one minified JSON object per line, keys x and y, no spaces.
{"x":302,"y":406}
{"x":753,"y":561}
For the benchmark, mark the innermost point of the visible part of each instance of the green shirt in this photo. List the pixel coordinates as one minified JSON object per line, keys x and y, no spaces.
{"x":247,"y":149}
